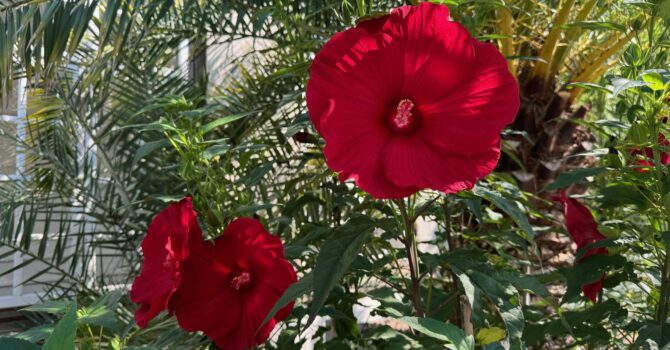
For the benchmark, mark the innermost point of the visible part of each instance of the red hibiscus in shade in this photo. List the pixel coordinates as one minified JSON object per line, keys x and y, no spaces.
{"x":230,"y":286}
{"x":648,"y":155}
{"x":410,"y":101}
{"x":165,"y":249}
{"x":584,"y":231}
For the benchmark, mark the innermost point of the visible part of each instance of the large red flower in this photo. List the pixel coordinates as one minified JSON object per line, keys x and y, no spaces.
{"x":647,"y":157}
{"x":230,"y":286}
{"x":165,"y":248}
{"x":584,"y":231}
{"x":410,"y":101}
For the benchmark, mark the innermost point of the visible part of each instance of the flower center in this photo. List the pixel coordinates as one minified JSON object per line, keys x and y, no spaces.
{"x":171,"y":266}
{"x":403,"y":119}
{"x":240,"y":280}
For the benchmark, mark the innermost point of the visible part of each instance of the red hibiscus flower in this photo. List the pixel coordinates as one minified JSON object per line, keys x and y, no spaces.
{"x":229,"y":287}
{"x":410,"y":101}
{"x":648,"y":155}
{"x":584,"y":231}
{"x":165,"y":249}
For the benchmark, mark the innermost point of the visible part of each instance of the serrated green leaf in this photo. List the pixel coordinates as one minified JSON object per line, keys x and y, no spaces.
{"x":490,"y":335}
{"x":294,"y":291}
{"x":498,"y":290}
{"x":215,"y":150}
{"x":256,"y":176}
{"x":622,"y":84}
{"x":64,"y":333}
{"x":223,"y":121}
{"x":572,"y":177}
{"x":148,"y":148}
{"x":442,"y":331}
{"x":53,"y":307}
{"x":589,"y":270}
{"x":156,"y":126}
{"x":507,"y":206}
{"x":101,"y":312}
{"x":7,"y":343}
{"x":335,"y":257}
{"x":36,"y":334}
{"x":589,"y":86}
{"x":655,"y":81}
{"x":468,"y":287}
{"x":663,"y":9}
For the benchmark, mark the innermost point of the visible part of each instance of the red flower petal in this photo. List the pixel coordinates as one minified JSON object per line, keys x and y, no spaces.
{"x":486,"y":104}
{"x":229,"y":287}
{"x":164,"y":249}
{"x":340,"y":58}
{"x":373,"y":25}
{"x":648,"y":161}
{"x":412,"y":160}
{"x":579,"y":221}
{"x":403,"y":98}
{"x":592,"y":290}
{"x":584,"y":231}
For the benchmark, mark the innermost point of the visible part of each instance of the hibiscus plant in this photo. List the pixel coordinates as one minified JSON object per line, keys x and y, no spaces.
{"x":362,"y":175}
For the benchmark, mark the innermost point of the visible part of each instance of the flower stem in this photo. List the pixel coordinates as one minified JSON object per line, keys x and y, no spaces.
{"x":662,"y":309}
{"x":458,"y":319}
{"x":409,"y":240}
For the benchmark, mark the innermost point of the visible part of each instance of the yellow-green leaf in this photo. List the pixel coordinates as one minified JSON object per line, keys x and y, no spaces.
{"x":490,"y":335}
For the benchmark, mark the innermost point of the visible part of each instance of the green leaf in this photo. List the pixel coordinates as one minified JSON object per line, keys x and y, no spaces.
{"x":573,"y":177}
{"x":115,"y":343}
{"x":590,"y":270}
{"x":101,"y":312}
{"x":223,"y":121}
{"x":37,"y":334}
{"x":621,"y":194}
{"x":155,"y":126}
{"x":663,"y":9}
{"x":665,"y":236}
{"x":17,"y":344}
{"x":441,"y":331}
{"x":55,"y":307}
{"x":148,"y":148}
{"x":63,"y":335}
{"x":655,"y":81}
{"x":498,"y":290}
{"x":584,"y":324}
{"x":622,"y":84}
{"x":507,"y":206}
{"x":589,"y":86}
{"x":256,"y":176}
{"x":468,"y":287}
{"x":594,"y":25}
{"x":294,"y":291}
{"x":168,"y":198}
{"x":335,"y":257}
{"x":604,"y":243}
{"x":215,"y":150}
{"x":529,"y":283}
{"x":490,"y":335}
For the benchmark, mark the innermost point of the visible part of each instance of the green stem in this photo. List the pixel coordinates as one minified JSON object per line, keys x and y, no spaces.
{"x":662,"y":310}
{"x":454,"y":279}
{"x":410,"y":245}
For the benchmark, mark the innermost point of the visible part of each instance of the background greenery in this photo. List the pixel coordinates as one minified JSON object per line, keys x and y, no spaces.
{"x":115,"y":130}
